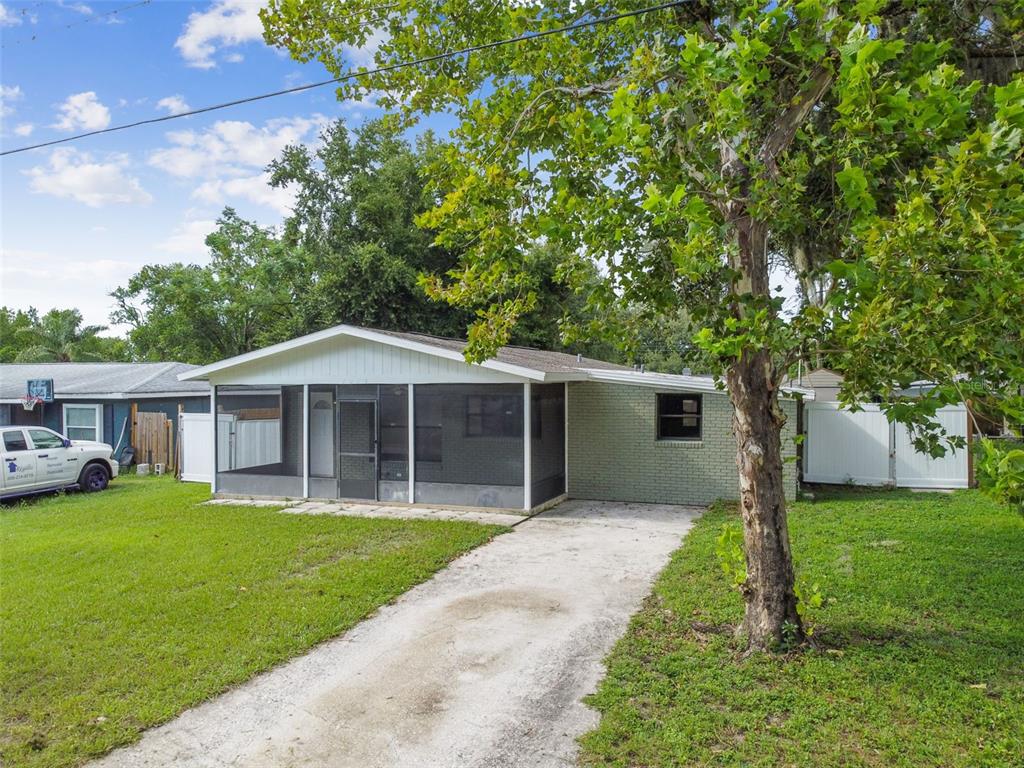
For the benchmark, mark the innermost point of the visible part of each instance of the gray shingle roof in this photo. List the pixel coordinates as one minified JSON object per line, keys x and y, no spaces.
{"x":527,"y":357}
{"x":84,"y":379}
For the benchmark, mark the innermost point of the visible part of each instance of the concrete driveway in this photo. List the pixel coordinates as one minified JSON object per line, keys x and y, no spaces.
{"x":484,"y":665}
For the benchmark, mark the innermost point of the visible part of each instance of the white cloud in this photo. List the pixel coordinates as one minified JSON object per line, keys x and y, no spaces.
{"x":8,"y":94}
{"x":83,"y":110}
{"x":225,"y":24}
{"x":255,"y":189}
{"x":234,"y":58}
{"x":24,"y":129}
{"x":174,"y":105}
{"x":228,"y":159}
{"x":231,"y":148}
{"x":44,"y":280}
{"x":363,"y":57}
{"x":76,"y":175}
{"x":81,"y":8}
{"x":8,"y":18}
{"x":189,"y":238}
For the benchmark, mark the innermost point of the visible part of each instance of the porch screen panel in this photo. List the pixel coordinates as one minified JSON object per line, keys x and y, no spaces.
{"x":259,"y":440}
{"x":469,"y":444}
{"x":393,"y":482}
{"x":323,"y":451}
{"x":547,"y":442}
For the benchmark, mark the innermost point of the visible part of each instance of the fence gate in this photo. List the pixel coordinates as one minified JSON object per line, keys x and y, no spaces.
{"x":196,"y":440}
{"x":153,"y":439}
{"x":863,"y":448}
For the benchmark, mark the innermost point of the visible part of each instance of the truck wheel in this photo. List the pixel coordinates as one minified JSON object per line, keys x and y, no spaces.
{"x":94,"y":478}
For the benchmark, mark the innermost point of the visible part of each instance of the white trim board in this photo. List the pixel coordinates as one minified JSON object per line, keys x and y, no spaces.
{"x":97,"y":409}
{"x":674,"y":382}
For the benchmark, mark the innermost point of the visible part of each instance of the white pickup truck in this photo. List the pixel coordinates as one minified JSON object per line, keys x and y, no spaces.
{"x":36,"y":459}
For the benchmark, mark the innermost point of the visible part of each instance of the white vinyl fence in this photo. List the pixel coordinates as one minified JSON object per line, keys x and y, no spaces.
{"x":240,"y":443}
{"x":863,"y":448}
{"x":196,"y":441}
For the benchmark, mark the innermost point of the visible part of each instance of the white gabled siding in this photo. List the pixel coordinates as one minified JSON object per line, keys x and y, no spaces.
{"x":346,"y":360}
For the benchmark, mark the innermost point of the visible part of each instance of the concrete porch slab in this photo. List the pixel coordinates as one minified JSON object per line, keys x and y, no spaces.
{"x":411,"y":512}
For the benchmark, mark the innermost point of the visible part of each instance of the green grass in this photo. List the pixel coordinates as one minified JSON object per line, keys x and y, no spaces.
{"x":921,"y":657}
{"x":121,"y":609}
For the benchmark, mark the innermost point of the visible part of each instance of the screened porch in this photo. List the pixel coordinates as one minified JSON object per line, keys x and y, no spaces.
{"x":455,"y":444}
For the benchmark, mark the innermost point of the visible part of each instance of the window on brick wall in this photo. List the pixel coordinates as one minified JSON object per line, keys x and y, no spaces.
{"x":679,"y":417}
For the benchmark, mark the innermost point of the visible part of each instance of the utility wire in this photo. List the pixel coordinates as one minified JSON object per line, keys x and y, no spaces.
{"x":354,"y":74}
{"x":86,"y":20}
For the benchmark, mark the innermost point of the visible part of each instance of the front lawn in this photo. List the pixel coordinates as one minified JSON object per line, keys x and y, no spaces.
{"x":123,"y":608}
{"x":921,"y":657}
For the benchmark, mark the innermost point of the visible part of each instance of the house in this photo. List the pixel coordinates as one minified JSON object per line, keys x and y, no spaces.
{"x":356,"y":413}
{"x":824,"y":382}
{"x":95,"y":401}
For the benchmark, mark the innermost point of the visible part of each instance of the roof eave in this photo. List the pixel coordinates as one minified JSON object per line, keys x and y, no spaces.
{"x":672,"y":381}
{"x":675,"y":381}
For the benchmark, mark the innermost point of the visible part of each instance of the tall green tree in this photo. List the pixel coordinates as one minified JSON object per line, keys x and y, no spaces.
{"x":242,"y":300}
{"x":666,"y":344}
{"x":13,"y":323}
{"x":59,"y":337}
{"x":357,"y":197}
{"x":684,"y":150}
{"x":350,"y":252}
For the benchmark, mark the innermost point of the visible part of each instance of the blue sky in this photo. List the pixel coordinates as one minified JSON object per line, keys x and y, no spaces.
{"x":78,"y":219}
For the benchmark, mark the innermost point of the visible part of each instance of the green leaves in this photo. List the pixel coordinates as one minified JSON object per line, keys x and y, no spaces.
{"x":731,"y":558}
{"x":58,"y":336}
{"x":1000,"y":472}
{"x":854,"y":185}
{"x":937,"y":290}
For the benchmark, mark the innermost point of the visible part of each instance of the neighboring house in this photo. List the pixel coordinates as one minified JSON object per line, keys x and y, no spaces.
{"x":365,"y":414}
{"x":824,"y":382}
{"x":93,"y":401}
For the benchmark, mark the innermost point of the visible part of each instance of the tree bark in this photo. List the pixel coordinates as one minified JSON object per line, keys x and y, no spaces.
{"x":771,"y":617}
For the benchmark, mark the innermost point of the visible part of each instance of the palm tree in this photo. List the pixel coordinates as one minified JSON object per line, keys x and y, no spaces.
{"x":60,"y":337}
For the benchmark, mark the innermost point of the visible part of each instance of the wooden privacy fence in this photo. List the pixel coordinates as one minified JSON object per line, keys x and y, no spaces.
{"x":153,"y":439}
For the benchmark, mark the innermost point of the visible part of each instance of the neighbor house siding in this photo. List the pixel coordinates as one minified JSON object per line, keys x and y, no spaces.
{"x":614,"y":453}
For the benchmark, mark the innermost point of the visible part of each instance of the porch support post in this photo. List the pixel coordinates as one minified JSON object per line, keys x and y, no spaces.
{"x":565,"y":438}
{"x":412,"y":444}
{"x":527,"y":440}
{"x":213,"y":433}
{"x":305,"y":441}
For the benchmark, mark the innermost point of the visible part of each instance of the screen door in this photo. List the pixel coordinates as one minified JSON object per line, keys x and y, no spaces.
{"x":357,"y":449}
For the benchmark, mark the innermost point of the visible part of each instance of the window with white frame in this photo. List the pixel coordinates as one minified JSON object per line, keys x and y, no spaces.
{"x":83,"y":422}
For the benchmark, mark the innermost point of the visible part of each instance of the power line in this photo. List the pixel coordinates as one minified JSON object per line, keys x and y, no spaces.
{"x":354,"y":74}
{"x":86,"y":20}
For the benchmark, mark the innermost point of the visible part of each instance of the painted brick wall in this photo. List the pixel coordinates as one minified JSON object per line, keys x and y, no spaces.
{"x":614,"y":453}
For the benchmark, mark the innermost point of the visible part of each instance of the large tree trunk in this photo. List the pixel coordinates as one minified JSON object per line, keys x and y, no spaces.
{"x":771,"y":615}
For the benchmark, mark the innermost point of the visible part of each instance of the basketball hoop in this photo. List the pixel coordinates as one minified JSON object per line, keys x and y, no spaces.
{"x":29,"y":402}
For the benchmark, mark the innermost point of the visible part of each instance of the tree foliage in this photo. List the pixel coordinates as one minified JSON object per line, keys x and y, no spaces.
{"x":241,"y":300}
{"x":55,"y":337}
{"x":350,"y":252}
